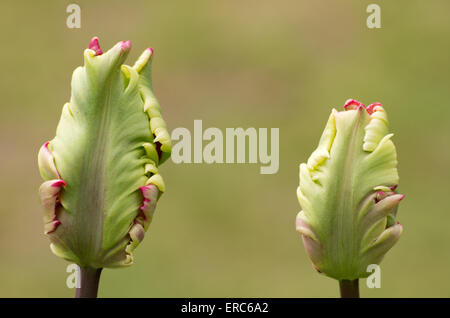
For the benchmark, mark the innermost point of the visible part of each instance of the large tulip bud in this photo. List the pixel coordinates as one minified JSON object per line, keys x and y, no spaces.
{"x":101,"y":170}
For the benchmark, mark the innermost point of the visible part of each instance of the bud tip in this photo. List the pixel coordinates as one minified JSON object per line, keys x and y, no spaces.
{"x":125,"y":46}
{"x":95,"y":46}
{"x":370,"y":108}
{"x":353,"y":104}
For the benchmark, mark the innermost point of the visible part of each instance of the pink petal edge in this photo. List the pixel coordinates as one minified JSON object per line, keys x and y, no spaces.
{"x":59,"y":183}
{"x":95,"y":46}
{"x":353,"y":104}
{"x":146,"y":201}
{"x":371,"y":108}
{"x":125,"y":46}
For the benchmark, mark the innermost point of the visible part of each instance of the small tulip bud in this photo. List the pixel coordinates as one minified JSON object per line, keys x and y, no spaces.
{"x":347,"y":193}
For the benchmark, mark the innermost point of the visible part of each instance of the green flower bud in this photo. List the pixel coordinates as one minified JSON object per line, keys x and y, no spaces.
{"x":101,"y":170}
{"x":347,"y":193}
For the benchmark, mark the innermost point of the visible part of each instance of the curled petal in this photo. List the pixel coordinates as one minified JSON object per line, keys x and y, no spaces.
{"x":310,"y":240}
{"x":151,"y":151}
{"x":151,"y":105}
{"x":383,"y":244}
{"x":326,"y":140}
{"x":51,"y":226}
{"x":151,"y":168}
{"x":351,"y":104}
{"x":143,"y":60}
{"x":314,"y":251}
{"x":382,"y":208}
{"x":50,"y":197}
{"x":377,"y":127}
{"x":150,"y":194}
{"x":137,"y":234}
{"x":371,"y":108}
{"x":303,"y":226}
{"x":158,"y":181}
{"x":46,"y":163}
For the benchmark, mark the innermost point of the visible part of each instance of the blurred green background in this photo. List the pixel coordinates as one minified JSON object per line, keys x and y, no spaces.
{"x":226,"y":230}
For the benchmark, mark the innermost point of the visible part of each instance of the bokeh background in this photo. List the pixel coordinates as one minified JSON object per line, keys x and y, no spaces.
{"x":226,"y":230}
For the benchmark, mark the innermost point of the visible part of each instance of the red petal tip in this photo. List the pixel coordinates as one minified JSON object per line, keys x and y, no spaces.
{"x":125,"y":46}
{"x":95,"y":46}
{"x":370,"y":108}
{"x":55,"y":226}
{"x":145,"y":187}
{"x":353,"y":104}
{"x":59,"y":183}
{"x":151,"y":50}
{"x":380,"y":196}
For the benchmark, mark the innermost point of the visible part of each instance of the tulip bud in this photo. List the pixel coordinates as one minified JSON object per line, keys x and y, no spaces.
{"x":101,"y":170}
{"x":347,"y":193}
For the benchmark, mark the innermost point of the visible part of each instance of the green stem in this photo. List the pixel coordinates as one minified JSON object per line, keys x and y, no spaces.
{"x":90,"y":277}
{"x":349,"y":288}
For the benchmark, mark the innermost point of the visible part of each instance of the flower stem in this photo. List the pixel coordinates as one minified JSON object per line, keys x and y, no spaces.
{"x":90,"y":277}
{"x":349,"y":288}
